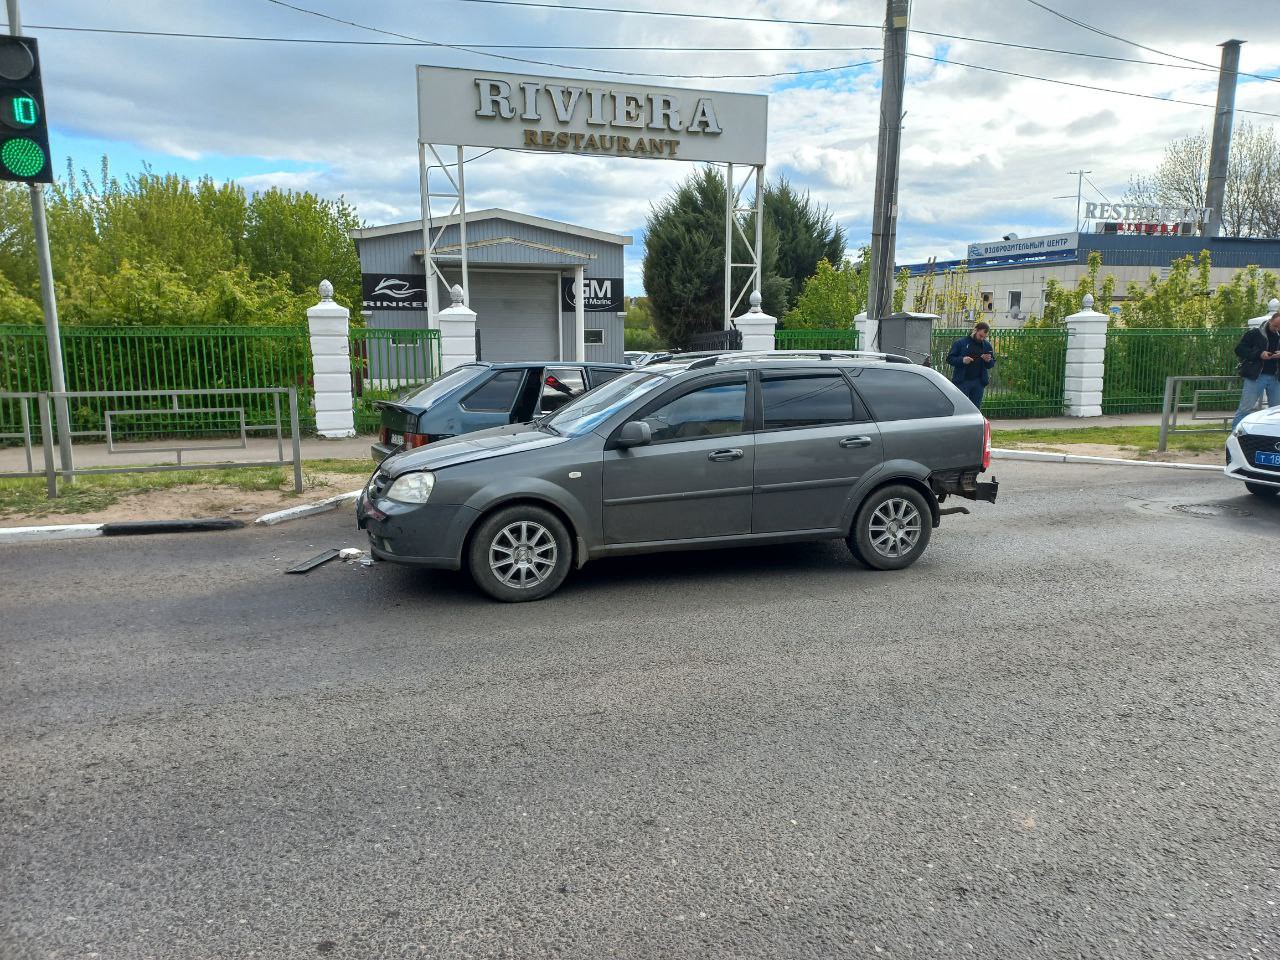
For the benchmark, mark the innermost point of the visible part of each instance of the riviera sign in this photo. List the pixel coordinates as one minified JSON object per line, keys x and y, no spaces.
{"x":485,"y":109}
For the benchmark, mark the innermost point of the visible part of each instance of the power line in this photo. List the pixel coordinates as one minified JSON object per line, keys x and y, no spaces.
{"x":592,"y":8}
{"x":1083,"y":86}
{"x":1134,"y":43}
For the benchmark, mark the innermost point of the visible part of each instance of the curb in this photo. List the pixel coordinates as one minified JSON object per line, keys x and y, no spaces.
{"x":1046,"y":457}
{"x":123,"y":528}
{"x":306,"y":510}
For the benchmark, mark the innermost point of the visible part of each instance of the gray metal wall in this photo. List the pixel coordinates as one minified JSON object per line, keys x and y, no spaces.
{"x":393,"y":253}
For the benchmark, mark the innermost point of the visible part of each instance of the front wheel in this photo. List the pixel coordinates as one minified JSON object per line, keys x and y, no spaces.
{"x":892,"y":528}
{"x":1261,"y":489}
{"x":520,"y":553}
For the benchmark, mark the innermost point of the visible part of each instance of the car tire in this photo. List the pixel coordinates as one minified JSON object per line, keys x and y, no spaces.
{"x":1261,"y":489}
{"x":520,"y":553}
{"x":892,"y":528}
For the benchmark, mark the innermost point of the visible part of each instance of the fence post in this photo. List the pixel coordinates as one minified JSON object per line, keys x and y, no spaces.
{"x":757,"y":327}
{"x":1086,"y":356}
{"x":866,"y":330}
{"x":329,"y":327}
{"x":457,"y":325}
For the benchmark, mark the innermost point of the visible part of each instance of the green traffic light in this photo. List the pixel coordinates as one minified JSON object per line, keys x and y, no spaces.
{"x":22,"y":157}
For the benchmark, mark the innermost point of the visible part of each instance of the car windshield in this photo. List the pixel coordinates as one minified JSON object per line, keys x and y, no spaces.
{"x":424,"y":393}
{"x":585,"y":413}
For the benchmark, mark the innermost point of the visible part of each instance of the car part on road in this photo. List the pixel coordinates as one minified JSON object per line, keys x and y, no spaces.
{"x":892,"y":529}
{"x":318,"y":560}
{"x":520,"y":553}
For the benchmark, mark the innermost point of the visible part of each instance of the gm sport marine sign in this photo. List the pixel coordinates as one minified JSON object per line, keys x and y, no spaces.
{"x":393,"y":291}
{"x":518,"y":112}
{"x":598,"y":295}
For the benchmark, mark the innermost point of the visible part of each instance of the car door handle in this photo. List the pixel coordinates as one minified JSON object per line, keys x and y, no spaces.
{"x":719,"y":456}
{"x":855,"y":442}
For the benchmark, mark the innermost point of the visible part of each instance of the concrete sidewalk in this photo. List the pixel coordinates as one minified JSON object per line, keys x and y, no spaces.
{"x":1077,"y":423}
{"x":14,"y":459}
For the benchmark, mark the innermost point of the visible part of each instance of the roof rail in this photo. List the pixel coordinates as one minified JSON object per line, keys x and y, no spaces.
{"x":709,"y":358}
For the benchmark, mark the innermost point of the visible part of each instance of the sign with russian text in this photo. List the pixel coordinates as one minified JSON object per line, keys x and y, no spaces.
{"x":1020,"y":247}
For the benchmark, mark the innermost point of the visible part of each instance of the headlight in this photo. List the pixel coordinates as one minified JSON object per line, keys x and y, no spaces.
{"x":412,"y":488}
{"x":1239,"y":431}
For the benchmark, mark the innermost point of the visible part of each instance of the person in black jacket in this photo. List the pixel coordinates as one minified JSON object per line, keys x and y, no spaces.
{"x":973,"y":357}
{"x":1259,"y":353}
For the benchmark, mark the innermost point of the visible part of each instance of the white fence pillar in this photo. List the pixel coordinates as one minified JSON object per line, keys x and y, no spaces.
{"x":757,"y":326}
{"x":866,"y":331}
{"x":1086,"y":354}
{"x":328,"y":325}
{"x":457,"y":325}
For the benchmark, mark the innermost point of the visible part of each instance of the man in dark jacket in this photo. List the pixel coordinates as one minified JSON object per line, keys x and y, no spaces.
{"x":972,"y":357}
{"x":1259,"y":353}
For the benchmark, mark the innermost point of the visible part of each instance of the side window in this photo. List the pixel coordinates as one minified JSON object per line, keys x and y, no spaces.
{"x":899,"y":395}
{"x":601,"y":375}
{"x":707,"y":412}
{"x":497,"y":394}
{"x":806,"y":401}
{"x":559,"y":386}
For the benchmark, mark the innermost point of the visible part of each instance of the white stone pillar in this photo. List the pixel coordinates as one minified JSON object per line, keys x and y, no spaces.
{"x":757,"y":326}
{"x":457,"y":325}
{"x":1086,"y":353}
{"x":866,"y":331}
{"x":579,"y":315}
{"x":1272,"y":309}
{"x":328,"y":325}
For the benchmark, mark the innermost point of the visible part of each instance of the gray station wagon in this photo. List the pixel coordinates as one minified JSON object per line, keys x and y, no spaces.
{"x":702,"y":451}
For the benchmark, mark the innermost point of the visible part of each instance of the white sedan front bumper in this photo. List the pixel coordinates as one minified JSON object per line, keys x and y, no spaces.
{"x":1240,"y":465}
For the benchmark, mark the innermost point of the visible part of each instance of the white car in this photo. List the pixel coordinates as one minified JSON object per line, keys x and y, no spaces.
{"x":1253,"y":452}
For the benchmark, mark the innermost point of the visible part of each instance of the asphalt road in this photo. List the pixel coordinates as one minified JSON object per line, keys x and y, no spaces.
{"x":1056,"y":736}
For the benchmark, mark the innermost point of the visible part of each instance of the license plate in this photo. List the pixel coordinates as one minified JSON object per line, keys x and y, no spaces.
{"x":396,"y":439}
{"x":1267,"y":459}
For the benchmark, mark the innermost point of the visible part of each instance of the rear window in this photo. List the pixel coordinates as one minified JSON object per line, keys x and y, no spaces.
{"x":497,"y":394}
{"x":900,"y":395}
{"x":423,"y":395}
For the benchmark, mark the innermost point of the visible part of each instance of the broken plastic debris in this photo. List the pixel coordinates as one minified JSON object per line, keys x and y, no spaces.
{"x":350,"y":553}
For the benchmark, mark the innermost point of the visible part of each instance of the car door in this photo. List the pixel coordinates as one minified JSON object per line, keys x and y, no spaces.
{"x":916,"y":420}
{"x":492,"y":401}
{"x":693,"y":480}
{"x":815,"y":441}
{"x":560,"y":384}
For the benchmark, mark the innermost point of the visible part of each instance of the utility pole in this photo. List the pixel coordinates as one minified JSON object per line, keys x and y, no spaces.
{"x":53,"y":338}
{"x":884,"y":216}
{"x":1220,"y":150}
{"x":1079,"y":175}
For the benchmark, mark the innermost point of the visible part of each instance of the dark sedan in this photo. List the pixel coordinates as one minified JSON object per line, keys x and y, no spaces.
{"x":477,"y":396}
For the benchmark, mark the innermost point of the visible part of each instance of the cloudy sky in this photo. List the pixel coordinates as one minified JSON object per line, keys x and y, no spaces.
{"x":983,"y":153}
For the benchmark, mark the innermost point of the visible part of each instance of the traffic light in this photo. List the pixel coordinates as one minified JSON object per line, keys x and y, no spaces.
{"x":24,"y":135}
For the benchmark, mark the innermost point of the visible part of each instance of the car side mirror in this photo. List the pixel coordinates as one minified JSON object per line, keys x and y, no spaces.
{"x":637,"y":433}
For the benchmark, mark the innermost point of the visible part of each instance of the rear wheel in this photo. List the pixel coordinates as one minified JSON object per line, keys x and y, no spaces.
{"x":1261,"y":490}
{"x":892,"y":528}
{"x":520,"y":553}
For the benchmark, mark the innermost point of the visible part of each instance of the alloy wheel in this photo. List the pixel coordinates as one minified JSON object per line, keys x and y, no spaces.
{"x":523,"y":554}
{"x":894,"y":528}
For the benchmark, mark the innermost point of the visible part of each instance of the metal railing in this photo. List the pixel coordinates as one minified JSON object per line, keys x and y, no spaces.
{"x":163,"y":423}
{"x":1207,"y":403}
{"x":24,"y":402}
{"x":716,"y":340}
{"x":1139,"y":361}
{"x":816,"y":339}
{"x":1029,"y":378}
{"x":115,"y":359}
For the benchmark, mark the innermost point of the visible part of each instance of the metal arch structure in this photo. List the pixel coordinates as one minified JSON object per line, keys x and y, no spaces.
{"x":728,"y":129}
{"x":735,"y":209}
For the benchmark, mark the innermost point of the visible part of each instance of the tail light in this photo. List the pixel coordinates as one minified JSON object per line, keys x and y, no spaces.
{"x":986,"y":444}
{"x":412,"y":440}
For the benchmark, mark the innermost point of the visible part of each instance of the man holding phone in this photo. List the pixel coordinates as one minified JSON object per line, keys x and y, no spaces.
{"x":973,"y":357}
{"x":1259,"y":353}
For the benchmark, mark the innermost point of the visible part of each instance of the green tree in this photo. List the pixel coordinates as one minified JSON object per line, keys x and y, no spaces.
{"x":304,"y":239}
{"x":832,"y":297}
{"x":684,"y":260}
{"x":806,"y":235}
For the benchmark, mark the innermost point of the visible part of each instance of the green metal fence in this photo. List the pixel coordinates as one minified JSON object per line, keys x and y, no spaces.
{"x":816,"y":339}
{"x":158,"y":358}
{"x":1139,"y":360}
{"x":384,"y":361}
{"x":1028,"y":379}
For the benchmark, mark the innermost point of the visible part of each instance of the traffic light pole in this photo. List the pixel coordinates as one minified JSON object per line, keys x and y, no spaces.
{"x":53,"y":337}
